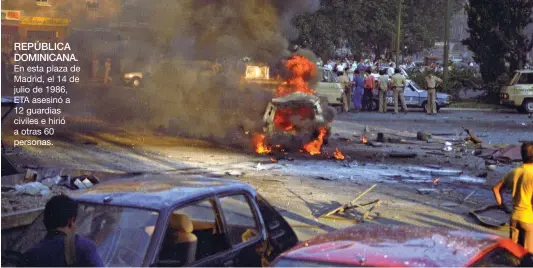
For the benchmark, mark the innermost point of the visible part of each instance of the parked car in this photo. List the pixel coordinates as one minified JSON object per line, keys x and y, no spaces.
{"x":142,"y":220}
{"x":134,"y":79}
{"x":519,"y":92}
{"x":330,"y":88}
{"x":456,"y":59}
{"x":415,"y":97}
{"x":403,"y":246}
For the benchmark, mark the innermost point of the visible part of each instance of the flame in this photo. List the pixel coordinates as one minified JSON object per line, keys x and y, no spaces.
{"x":283,"y":117}
{"x":364,"y":140}
{"x":337,"y":154}
{"x":274,"y":160}
{"x":259,"y":144}
{"x":313,"y":147}
{"x":301,"y":70}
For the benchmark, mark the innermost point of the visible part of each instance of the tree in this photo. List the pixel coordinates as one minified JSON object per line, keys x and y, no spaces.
{"x":369,"y":25}
{"x":495,"y":41}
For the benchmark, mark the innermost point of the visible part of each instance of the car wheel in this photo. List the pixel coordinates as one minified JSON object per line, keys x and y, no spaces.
{"x":425,"y":106}
{"x":136,"y":82}
{"x":527,"y":106}
{"x":345,"y":104}
{"x":375,"y":105}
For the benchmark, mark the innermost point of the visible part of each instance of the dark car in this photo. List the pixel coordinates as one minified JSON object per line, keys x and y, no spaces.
{"x":177,"y":220}
{"x":403,"y":246}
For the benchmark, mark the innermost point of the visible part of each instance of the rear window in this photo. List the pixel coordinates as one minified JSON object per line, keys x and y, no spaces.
{"x":522,"y":78}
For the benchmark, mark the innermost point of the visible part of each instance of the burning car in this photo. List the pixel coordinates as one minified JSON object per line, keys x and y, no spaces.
{"x":295,"y":120}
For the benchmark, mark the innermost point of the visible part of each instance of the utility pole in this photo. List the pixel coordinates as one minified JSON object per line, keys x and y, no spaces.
{"x":445,"y":60}
{"x":398,"y":33}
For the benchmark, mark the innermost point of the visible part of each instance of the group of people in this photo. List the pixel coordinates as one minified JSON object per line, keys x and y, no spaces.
{"x":360,"y":89}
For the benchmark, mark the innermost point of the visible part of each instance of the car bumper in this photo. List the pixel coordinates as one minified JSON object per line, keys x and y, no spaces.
{"x":127,"y":81}
{"x":507,"y":102}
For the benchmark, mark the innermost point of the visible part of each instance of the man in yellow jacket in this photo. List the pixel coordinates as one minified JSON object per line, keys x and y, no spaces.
{"x":520,"y":182}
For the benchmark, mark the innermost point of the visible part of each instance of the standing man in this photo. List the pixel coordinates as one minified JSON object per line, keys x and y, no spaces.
{"x":369,"y":89}
{"x":107,"y":71}
{"x":432,"y":82}
{"x":346,"y":85}
{"x":94,"y":67}
{"x":357,"y":92}
{"x":383,"y":88}
{"x":398,"y":83}
{"x":61,"y":246}
{"x":520,"y":182}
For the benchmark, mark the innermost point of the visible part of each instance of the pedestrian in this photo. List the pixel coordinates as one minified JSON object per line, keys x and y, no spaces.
{"x":346,"y":85}
{"x":368,"y":91}
{"x":94,"y":67}
{"x":383,"y":88}
{"x":107,"y":71}
{"x":358,"y":87}
{"x":432,"y":82}
{"x":61,"y":246}
{"x":520,"y":182}
{"x":398,"y":83}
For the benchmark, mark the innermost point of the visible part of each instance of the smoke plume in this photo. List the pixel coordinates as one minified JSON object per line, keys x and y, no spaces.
{"x":183,"y":94}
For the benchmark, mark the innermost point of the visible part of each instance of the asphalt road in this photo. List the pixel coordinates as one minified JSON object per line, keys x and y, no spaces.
{"x":494,"y":127}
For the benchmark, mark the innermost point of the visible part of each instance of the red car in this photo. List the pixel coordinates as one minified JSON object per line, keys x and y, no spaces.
{"x":402,"y":246}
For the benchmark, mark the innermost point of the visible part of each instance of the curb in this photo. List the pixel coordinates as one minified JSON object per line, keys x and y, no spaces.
{"x":477,"y":109}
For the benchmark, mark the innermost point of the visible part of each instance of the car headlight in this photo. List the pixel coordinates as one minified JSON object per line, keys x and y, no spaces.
{"x":128,"y":75}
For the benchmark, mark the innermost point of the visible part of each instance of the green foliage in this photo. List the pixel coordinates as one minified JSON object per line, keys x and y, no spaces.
{"x":370,"y":25}
{"x":497,"y":36}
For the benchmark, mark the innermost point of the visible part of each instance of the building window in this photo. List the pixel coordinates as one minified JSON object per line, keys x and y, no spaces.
{"x":42,"y":3}
{"x":93,"y":3}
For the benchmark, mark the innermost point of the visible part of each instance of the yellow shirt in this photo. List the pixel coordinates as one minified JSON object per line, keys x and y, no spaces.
{"x":520,"y":181}
{"x":398,"y":80}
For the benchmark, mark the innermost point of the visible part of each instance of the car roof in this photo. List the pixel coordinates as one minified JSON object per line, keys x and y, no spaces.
{"x":158,"y":191}
{"x":394,"y":245}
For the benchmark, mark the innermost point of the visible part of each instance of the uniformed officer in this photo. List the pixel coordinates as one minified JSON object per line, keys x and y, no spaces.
{"x":398,"y":83}
{"x":432,"y":82}
{"x":383,"y":88}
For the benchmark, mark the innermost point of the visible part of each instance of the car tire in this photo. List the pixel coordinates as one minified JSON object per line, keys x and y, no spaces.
{"x":345,"y":104}
{"x":375,"y":105}
{"x":136,"y":82}
{"x":527,"y":106}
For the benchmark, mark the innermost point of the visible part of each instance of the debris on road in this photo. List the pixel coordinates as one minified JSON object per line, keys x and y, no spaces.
{"x":491,"y":216}
{"x":343,"y":207}
{"x":425,"y":191}
{"x":421,"y":136}
{"x":235,"y":173}
{"x":473,"y":138}
{"x":32,"y":188}
{"x":449,"y":204}
{"x":468,"y":196}
{"x":402,"y":155}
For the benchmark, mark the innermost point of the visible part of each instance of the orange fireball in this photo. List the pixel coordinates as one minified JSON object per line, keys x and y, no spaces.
{"x":364,"y":140}
{"x":337,"y":154}
{"x":313,"y":147}
{"x":259,"y":144}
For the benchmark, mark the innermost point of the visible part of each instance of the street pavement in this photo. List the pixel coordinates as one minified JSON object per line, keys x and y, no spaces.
{"x":494,"y":127}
